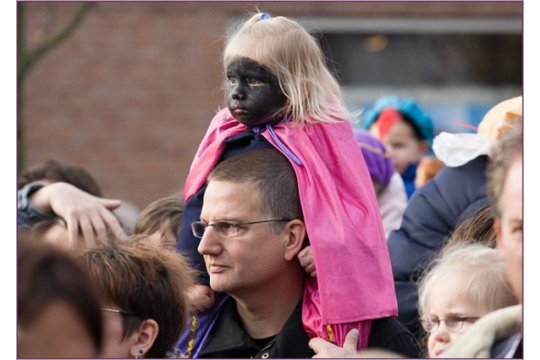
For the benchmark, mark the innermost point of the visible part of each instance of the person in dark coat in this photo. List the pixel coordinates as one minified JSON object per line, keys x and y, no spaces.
{"x":433,"y":213}
{"x":500,"y":333}
{"x":435,"y":209}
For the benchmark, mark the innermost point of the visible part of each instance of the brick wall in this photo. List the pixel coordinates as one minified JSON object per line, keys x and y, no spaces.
{"x":130,"y":93}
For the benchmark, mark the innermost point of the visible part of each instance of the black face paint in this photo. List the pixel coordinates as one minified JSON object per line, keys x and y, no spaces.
{"x":253,"y":93}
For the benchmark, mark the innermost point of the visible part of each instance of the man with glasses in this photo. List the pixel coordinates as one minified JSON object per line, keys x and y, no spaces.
{"x":251,"y":230}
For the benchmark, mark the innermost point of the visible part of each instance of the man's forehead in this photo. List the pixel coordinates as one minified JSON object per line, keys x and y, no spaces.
{"x":218,"y":191}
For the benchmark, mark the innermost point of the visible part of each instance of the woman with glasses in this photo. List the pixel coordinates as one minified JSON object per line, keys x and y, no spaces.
{"x":464,"y":283}
{"x":143,"y":305}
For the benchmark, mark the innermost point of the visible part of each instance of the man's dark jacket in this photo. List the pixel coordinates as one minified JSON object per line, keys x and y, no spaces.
{"x":228,"y":338}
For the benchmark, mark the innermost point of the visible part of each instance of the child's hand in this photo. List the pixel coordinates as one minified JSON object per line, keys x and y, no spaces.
{"x":306,"y":260}
{"x":200,"y":298}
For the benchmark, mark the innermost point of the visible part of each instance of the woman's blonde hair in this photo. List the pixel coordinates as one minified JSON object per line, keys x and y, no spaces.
{"x":483,"y":277}
{"x":295,"y":58}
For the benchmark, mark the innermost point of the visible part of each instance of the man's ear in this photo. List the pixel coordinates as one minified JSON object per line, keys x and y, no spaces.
{"x":295,"y":231}
{"x":146,"y":335}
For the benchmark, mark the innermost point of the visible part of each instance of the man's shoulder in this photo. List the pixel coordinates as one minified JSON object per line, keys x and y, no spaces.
{"x":390,"y":334}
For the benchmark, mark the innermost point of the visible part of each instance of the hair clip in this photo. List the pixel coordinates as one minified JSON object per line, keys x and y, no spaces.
{"x":265,"y":16}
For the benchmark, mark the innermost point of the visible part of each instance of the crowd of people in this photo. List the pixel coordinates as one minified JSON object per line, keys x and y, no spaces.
{"x":296,"y":235}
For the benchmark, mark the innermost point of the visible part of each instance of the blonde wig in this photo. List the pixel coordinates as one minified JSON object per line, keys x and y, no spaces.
{"x":477,"y":270}
{"x":294,"y":57}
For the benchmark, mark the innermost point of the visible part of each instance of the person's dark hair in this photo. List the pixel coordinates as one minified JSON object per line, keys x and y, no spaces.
{"x":146,"y":280}
{"x":165,"y":211}
{"x":477,"y":228}
{"x":504,"y":153}
{"x":416,"y":130}
{"x":273,"y":175}
{"x":46,"y":274}
{"x":56,"y":171}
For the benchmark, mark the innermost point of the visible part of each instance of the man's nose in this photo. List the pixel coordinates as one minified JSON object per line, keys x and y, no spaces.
{"x":209,"y":244}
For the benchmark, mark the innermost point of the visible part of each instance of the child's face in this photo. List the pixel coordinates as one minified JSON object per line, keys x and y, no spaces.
{"x":446,"y":304}
{"x":253,"y":93}
{"x":402,"y":144}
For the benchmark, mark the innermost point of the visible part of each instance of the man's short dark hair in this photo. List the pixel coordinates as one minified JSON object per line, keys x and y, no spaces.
{"x":272,"y":173}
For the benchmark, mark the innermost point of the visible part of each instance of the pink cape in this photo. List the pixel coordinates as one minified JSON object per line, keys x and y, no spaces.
{"x":354,"y":277}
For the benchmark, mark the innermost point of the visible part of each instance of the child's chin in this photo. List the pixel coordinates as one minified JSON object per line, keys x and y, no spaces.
{"x":249,"y":122}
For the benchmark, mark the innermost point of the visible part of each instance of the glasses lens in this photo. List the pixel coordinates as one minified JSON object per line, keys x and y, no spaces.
{"x":197,"y":228}
{"x":225,"y":228}
{"x":456,"y":324}
{"x":453,"y":324}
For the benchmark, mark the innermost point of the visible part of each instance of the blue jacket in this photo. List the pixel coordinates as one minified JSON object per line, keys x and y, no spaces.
{"x":431,"y":215}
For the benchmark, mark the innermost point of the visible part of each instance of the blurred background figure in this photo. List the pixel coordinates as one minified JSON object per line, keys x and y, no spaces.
{"x":428,"y":167}
{"x":387,"y":182}
{"x":160,"y":221}
{"x":53,"y":171}
{"x":500,"y":334}
{"x":457,"y":192}
{"x":406,"y":132}
{"x":62,"y":203}
{"x":58,"y":313}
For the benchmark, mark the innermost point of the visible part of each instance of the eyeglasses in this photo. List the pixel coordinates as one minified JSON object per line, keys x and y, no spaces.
{"x":225,"y":228}
{"x":119,"y":311}
{"x":453,"y":324}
